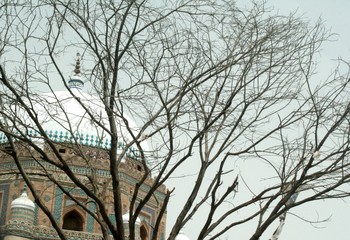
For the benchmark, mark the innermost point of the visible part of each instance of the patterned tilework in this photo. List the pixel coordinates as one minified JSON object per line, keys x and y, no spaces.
{"x":144,"y":187}
{"x":58,"y":205}
{"x":79,"y":192}
{"x":112,"y":218}
{"x":36,"y":211}
{"x":90,"y":219}
{"x":152,"y":213}
{"x":5,"y":189}
{"x":18,"y":228}
{"x":84,"y":139}
{"x":22,"y":214}
{"x":84,"y":171}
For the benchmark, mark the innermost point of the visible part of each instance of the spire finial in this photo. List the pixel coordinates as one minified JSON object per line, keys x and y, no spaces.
{"x":75,"y":80}
{"x":24,"y":193}
{"x":77,"y":65}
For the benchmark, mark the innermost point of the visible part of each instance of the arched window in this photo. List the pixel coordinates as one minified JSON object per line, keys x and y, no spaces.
{"x":73,"y":221}
{"x":143,"y":233}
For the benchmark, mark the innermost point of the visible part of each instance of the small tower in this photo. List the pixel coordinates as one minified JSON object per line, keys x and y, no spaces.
{"x":126,"y":226}
{"x":22,"y":209}
{"x":22,"y":213}
{"x":75,"y":81}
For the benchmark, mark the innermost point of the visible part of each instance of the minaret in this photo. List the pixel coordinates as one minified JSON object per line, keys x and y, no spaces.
{"x":126,"y":226}
{"x":22,"y":214}
{"x":75,"y":81}
{"x":22,"y":208}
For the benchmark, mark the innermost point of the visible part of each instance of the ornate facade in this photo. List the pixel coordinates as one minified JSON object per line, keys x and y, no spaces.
{"x":18,"y":222}
{"x":78,"y":223}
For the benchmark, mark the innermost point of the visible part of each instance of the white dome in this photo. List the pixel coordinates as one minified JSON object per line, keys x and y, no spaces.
{"x":23,"y":202}
{"x":181,"y":236}
{"x":126,"y":219}
{"x":64,"y":119}
{"x":61,"y":114}
{"x":80,"y":117}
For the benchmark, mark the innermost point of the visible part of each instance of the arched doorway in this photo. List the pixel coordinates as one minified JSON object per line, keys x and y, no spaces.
{"x":73,"y":221}
{"x":143,"y":233}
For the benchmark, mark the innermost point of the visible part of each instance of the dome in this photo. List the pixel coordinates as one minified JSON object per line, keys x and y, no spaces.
{"x":23,"y":202}
{"x":75,"y":116}
{"x":62,"y":113}
{"x":181,"y":236}
{"x":66,"y":119}
{"x":126,"y":219}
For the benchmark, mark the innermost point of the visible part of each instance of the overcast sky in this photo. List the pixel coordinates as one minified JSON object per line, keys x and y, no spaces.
{"x":335,"y":14}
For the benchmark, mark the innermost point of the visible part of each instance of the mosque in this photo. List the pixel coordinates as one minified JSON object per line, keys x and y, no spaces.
{"x":21,"y":218}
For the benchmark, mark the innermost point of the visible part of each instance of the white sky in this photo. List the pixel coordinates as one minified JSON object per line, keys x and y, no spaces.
{"x":335,"y":14}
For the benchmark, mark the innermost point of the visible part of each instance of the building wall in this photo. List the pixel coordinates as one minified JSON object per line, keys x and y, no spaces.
{"x":11,"y":186}
{"x":14,"y":238}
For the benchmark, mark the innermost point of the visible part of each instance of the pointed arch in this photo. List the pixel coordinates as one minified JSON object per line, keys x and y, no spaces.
{"x":144,"y":233}
{"x":73,"y":221}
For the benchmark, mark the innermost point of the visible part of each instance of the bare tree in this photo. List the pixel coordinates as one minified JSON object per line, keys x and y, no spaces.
{"x":209,"y":84}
